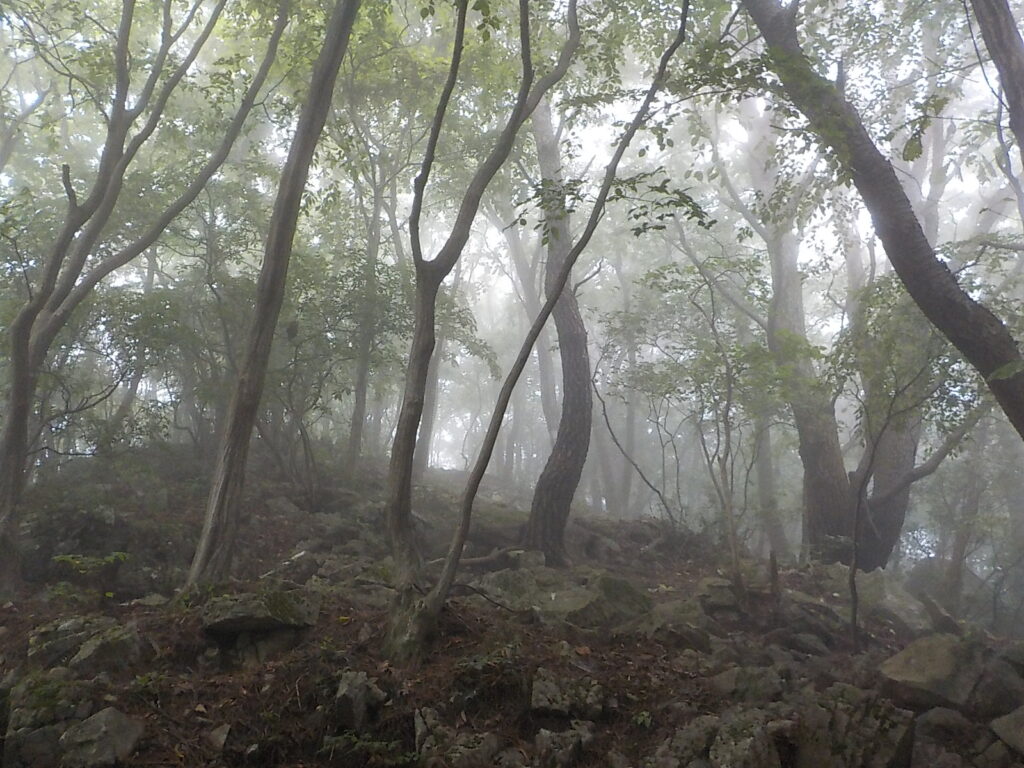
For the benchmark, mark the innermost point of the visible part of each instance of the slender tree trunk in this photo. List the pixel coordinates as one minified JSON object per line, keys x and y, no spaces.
{"x":1003,"y":40}
{"x":214,"y":552}
{"x":431,"y":401}
{"x":367,"y":333}
{"x":556,"y":487}
{"x":767,"y":491}
{"x":526,"y":272}
{"x":401,"y":469}
{"x":973,"y":329}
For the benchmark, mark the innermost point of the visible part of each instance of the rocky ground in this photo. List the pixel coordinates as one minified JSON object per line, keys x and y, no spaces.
{"x":642,"y":654}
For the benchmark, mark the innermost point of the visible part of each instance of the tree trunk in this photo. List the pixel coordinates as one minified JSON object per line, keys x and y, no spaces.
{"x":367,"y":333}
{"x":1003,"y":40}
{"x":973,"y":329}
{"x":886,"y":510}
{"x":526,"y":270}
{"x":552,"y":498}
{"x":425,"y":438}
{"x":214,"y":552}
{"x":767,"y":491}
{"x":828,"y":513}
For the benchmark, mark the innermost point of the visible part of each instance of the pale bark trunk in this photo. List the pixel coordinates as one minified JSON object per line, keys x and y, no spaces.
{"x":556,"y":487}
{"x":214,"y":552}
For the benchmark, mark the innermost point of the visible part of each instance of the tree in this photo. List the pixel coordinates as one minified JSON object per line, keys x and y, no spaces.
{"x":414,"y":621}
{"x":84,"y":250}
{"x":556,"y":487}
{"x":430,"y":273}
{"x":1003,"y":40}
{"x":982,"y":338}
{"x":215,"y":549}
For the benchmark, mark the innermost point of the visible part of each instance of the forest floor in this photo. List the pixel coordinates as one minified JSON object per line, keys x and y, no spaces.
{"x":607,"y":663}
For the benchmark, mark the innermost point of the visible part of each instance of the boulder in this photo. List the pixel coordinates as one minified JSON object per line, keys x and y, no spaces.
{"x":57,"y":642}
{"x":749,"y":684}
{"x":578,"y":697}
{"x":473,"y":750}
{"x":717,"y":595}
{"x":107,"y":738}
{"x":613,"y":601}
{"x":108,"y":648}
{"x":948,"y":671}
{"x":357,"y":700}
{"x":230,"y":615}
{"x":562,"y":749}
{"x":687,"y":744}
{"x":43,"y":705}
{"x":1010,"y":728}
{"x":744,"y":740}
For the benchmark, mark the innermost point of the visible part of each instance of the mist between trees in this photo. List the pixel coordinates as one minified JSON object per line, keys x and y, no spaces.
{"x":781,"y":245}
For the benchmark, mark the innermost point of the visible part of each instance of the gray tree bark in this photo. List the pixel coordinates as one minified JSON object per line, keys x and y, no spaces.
{"x":215,"y":550}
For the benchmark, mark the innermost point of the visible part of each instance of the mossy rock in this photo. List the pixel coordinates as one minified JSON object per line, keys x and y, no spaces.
{"x":613,"y":601}
{"x":267,"y":611}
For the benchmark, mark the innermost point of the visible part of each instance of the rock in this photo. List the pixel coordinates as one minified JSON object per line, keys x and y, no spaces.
{"x":805,"y":614}
{"x":230,"y":615}
{"x":945,"y":725}
{"x":743,"y":740}
{"x":862,"y":730}
{"x":430,"y":734}
{"x":473,"y":750}
{"x":560,"y":749}
{"x":717,"y":595}
{"x":511,"y":758}
{"x":934,"y":671}
{"x":1010,"y":728}
{"x":930,"y":755}
{"x":751,"y":684}
{"x":357,"y":700}
{"x":42,"y":706}
{"x":218,"y":737}
{"x":251,"y":649}
{"x":108,"y":648}
{"x":998,"y":691}
{"x":524,"y":559}
{"x":57,"y":642}
{"x":997,"y":755}
{"x":948,"y":671}
{"x":107,"y":738}
{"x":613,"y":602}
{"x":577,"y":697}
{"x":689,"y":743}
{"x":678,"y":624}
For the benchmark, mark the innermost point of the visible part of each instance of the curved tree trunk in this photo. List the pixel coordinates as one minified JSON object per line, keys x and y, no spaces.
{"x":556,"y":487}
{"x":1003,"y":40}
{"x":214,"y":552}
{"x":981,"y":337}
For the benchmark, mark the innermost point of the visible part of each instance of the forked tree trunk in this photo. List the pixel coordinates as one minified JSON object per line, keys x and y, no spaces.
{"x":556,"y":487}
{"x":974,"y":330}
{"x":214,"y":552}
